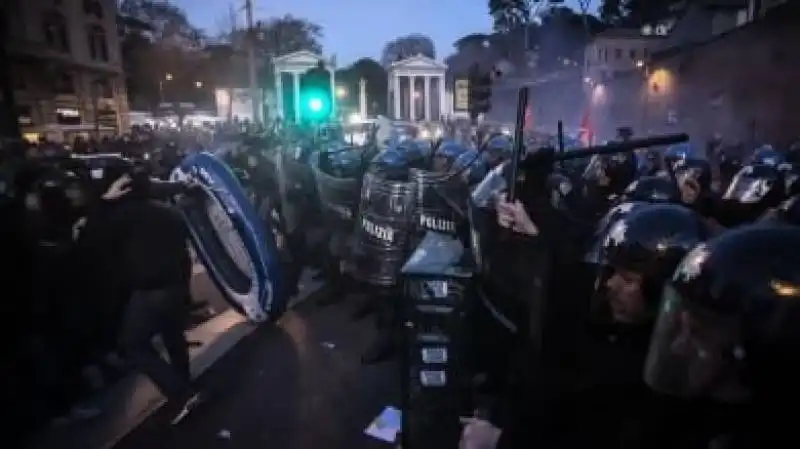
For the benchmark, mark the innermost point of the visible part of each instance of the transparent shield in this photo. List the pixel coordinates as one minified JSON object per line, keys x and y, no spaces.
{"x":694,"y":352}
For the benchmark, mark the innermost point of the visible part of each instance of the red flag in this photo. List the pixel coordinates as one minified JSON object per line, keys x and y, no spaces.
{"x":586,"y":133}
{"x":528,"y":119}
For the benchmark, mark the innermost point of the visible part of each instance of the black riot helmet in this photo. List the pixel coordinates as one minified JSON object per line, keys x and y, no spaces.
{"x":653,"y":189}
{"x":729,"y":324}
{"x":650,"y":242}
{"x":595,"y":254}
{"x":612,"y":171}
{"x":753,"y":190}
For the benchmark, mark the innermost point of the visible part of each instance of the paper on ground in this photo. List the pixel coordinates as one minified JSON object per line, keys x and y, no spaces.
{"x":385,"y":426}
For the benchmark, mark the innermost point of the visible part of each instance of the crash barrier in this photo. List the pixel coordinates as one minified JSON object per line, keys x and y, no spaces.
{"x":383,"y":229}
{"x":437,"y":383}
{"x":231,"y":239}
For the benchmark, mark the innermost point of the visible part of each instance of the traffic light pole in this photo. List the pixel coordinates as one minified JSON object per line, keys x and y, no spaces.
{"x":255,"y":97}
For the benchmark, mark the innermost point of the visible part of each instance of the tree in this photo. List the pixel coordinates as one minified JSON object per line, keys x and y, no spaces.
{"x":169,"y":23}
{"x":407,"y":46}
{"x":163,"y":59}
{"x":376,"y":78}
{"x":637,"y":13}
{"x":273,"y":37}
{"x":563,"y":34}
{"x":288,"y":34}
{"x":509,"y":14}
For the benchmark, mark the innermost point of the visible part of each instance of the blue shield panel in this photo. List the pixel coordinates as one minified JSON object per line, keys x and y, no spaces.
{"x":230,"y":238}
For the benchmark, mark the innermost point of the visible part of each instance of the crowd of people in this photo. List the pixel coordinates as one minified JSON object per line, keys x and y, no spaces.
{"x":669,"y":316}
{"x":679,"y":263}
{"x":72,"y":331}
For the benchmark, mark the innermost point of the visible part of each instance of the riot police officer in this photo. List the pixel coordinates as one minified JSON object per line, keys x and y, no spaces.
{"x":640,"y":251}
{"x":727,"y":331}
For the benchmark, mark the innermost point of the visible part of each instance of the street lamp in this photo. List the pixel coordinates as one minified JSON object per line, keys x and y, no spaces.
{"x":168,"y":77}
{"x":341,"y":92}
{"x":198,"y":84}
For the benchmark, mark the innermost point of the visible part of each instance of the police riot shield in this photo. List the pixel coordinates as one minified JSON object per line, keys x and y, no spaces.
{"x":338,"y":196}
{"x":440,"y":202}
{"x":296,"y":186}
{"x":338,"y":199}
{"x":237,"y":249}
{"x":382,"y":230}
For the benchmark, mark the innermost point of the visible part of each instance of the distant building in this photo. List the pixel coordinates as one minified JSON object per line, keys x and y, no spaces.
{"x":66,"y":65}
{"x":619,"y":50}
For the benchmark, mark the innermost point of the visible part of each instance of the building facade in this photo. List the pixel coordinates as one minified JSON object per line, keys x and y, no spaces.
{"x":719,"y":72}
{"x":66,"y":66}
{"x":618,"y":50}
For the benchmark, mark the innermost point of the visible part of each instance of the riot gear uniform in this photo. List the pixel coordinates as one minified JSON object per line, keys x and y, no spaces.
{"x":338,"y":177}
{"x":381,"y":241}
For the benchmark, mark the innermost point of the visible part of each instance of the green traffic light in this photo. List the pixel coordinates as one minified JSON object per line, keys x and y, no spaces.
{"x":315,"y":104}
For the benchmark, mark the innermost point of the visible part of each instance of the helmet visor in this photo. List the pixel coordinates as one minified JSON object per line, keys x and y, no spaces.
{"x":694,"y":351}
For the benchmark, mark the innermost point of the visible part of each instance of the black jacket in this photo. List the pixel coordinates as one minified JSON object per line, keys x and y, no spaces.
{"x":141,"y":242}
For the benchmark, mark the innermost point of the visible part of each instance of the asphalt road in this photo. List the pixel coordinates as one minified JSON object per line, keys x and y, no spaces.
{"x":295,"y":385}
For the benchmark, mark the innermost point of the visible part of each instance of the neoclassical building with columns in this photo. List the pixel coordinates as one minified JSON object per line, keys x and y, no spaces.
{"x":287,"y":71}
{"x":417,"y":89}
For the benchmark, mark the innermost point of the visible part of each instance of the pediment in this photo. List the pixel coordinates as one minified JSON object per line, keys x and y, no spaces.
{"x":418,"y":62}
{"x":299,"y":58}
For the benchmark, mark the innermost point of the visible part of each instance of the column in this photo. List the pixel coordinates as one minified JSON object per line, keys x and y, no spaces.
{"x":427,"y":98}
{"x":444,"y":109}
{"x":396,"y":97}
{"x":362,"y":98}
{"x":332,"y":71}
{"x":296,"y":91}
{"x":412,"y":112}
{"x":279,"y":94}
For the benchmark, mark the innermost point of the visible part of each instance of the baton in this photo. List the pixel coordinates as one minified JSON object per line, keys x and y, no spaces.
{"x":622,"y":147}
{"x":519,"y":145}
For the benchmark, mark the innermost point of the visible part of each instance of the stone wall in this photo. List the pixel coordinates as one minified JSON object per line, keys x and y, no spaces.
{"x":744,"y":85}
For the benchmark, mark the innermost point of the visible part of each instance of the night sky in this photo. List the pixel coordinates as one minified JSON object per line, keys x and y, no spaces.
{"x":360,"y":28}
